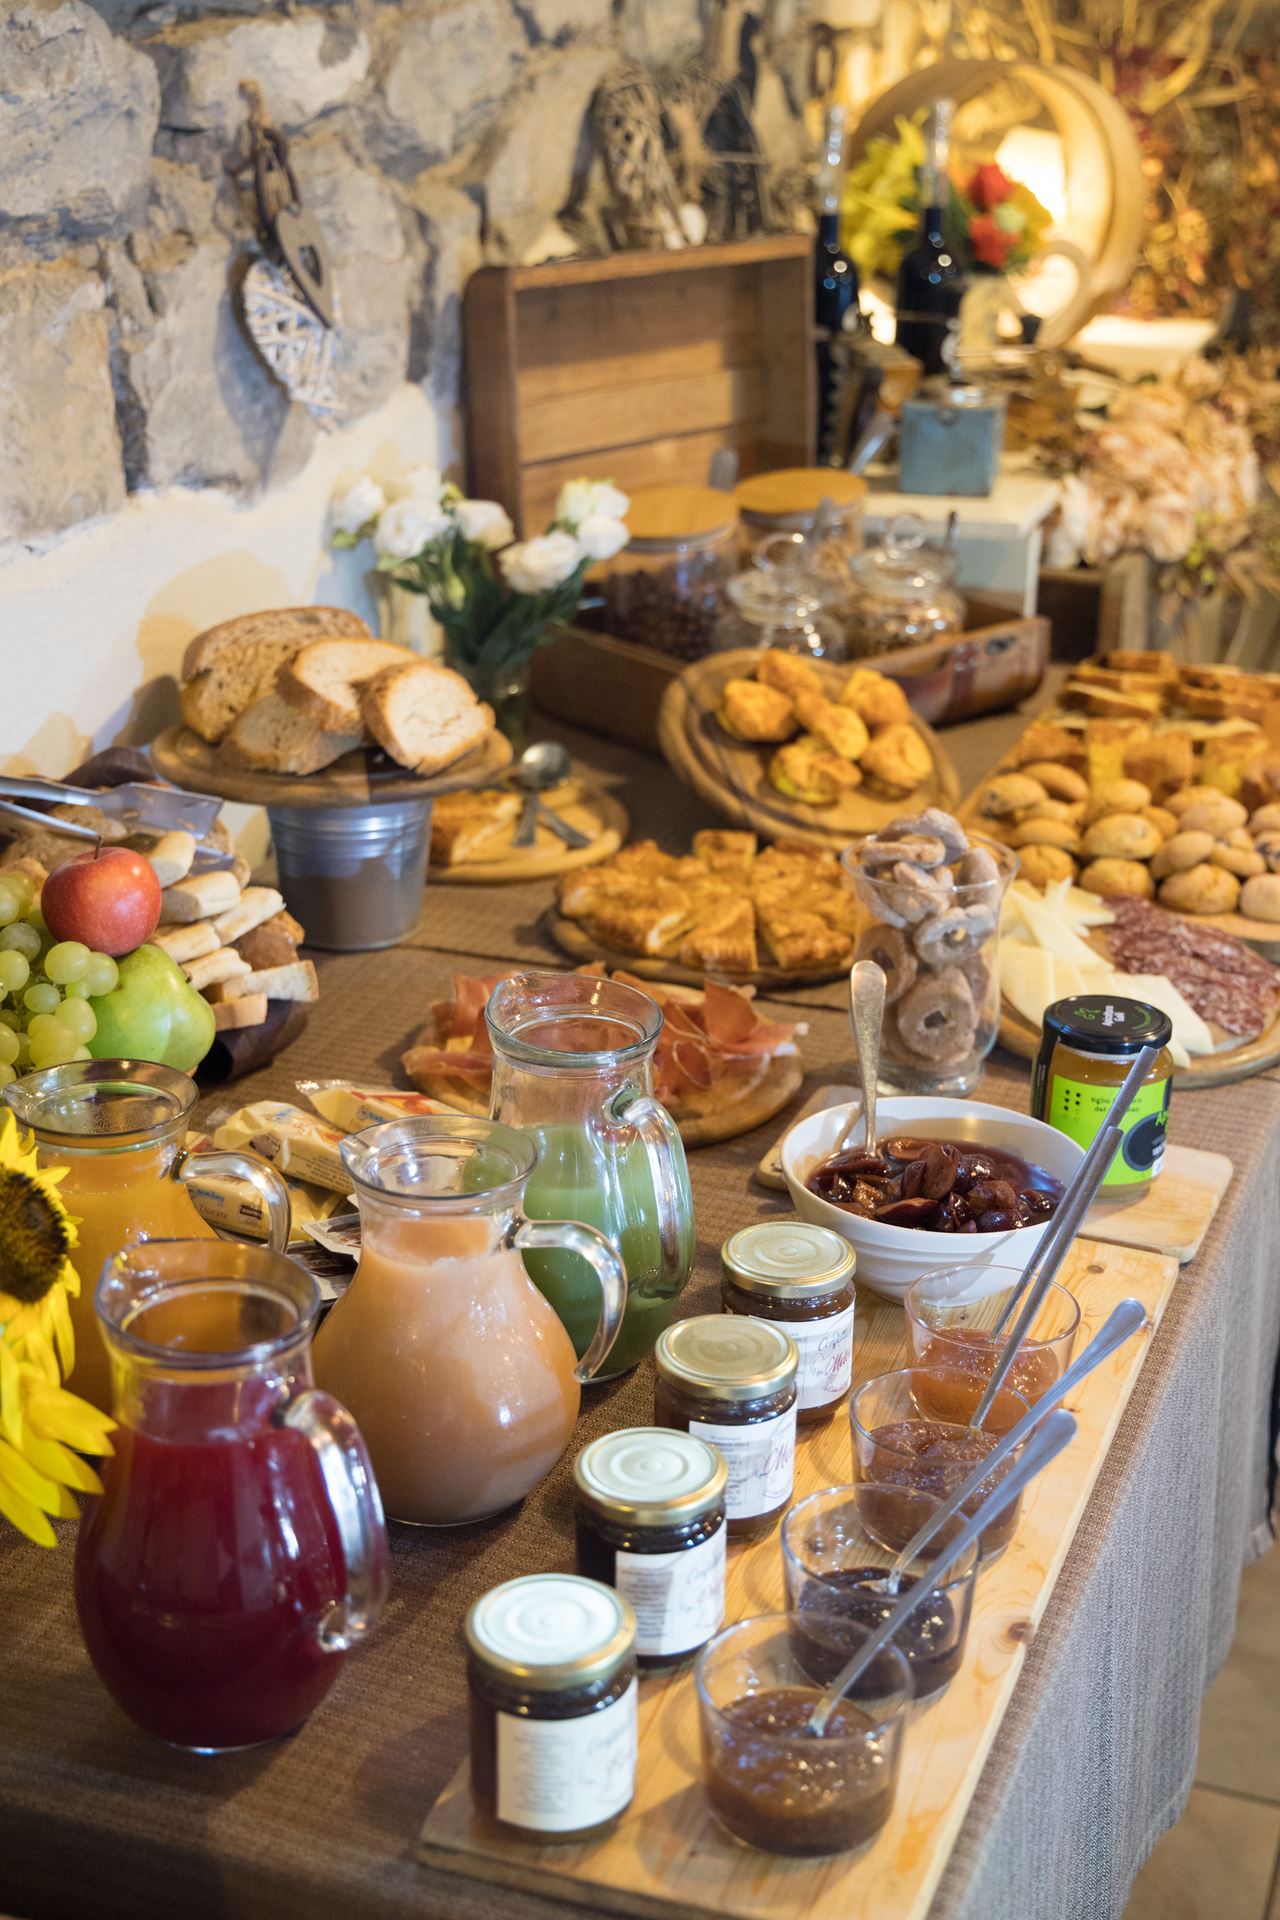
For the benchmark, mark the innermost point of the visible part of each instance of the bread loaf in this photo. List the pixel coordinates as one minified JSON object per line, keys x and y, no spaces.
{"x":324,"y":680}
{"x":301,"y":624}
{"x":424,"y":716}
{"x":271,"y":737}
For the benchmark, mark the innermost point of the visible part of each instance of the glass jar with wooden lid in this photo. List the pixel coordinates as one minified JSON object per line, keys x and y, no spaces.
{"x":789,"y":500}
{"x":665,"y":589}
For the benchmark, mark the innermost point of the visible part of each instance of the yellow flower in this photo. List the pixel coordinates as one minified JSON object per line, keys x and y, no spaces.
{"x":881,"y":198}
{"x":43,"y":1428}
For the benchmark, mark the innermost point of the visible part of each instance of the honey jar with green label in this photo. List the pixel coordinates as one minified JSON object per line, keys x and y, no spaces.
{"x":1086,"y":1048}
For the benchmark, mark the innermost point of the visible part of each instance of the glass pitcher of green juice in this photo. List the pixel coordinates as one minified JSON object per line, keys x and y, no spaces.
{"x":573,"y":1067}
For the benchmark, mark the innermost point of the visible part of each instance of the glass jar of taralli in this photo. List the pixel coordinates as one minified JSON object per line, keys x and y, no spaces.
{"x":732,"y":1382}
{"x":650,"y":1521}
{"x":798,"y":1278}
{"x":1087,"y":1046}
{"x":551,"y":1671}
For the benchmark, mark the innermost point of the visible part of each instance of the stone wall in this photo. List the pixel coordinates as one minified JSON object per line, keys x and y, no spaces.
{"x":426,"y":135}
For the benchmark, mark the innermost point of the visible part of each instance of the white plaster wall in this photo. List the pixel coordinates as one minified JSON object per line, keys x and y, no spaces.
{"x":92,"y":627}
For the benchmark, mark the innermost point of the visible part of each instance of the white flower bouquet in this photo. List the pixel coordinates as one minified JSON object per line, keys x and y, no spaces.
{"x":495,"y":597}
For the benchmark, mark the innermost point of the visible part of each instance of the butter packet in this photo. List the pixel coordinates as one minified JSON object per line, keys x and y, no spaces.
{"x":297,"y":1143}
{"x":236,"y":1206}
{"x":352,"y":1107}
{"x":339,"y":1233}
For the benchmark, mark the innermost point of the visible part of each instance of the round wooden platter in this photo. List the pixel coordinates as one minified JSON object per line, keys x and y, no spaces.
{"x":732,"y":776}
{"x":359,"y":779}
{"x":1205,"y":1070}
{"x":584,"y":945}
{"x":776,"y":1089}
{"x":580,"y":805}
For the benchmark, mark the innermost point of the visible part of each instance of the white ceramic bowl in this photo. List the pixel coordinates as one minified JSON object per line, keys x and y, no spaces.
{"x":890,"y":1258}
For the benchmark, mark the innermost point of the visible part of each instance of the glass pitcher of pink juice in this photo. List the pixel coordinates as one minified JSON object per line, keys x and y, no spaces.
{"x":573,"y":1068}
{"x":463,"y":1380}
{"x":237,"y":1549}
{"x":118,"y":1126}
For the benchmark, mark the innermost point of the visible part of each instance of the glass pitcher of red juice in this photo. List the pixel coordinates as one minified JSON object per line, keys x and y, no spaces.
{"x":237,"y":1549}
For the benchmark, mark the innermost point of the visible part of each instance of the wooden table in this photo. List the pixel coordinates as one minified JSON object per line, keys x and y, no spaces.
{"x":1095,"y":1754}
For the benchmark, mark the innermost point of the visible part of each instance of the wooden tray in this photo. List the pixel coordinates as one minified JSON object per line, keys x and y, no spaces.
{"x":583,"y":945}
{"x":1205,"y":1070}
{"x":668,"y":1858}
{"x":580,"y":805}
{"x":357,"y":780}
{"x":731,"y":776}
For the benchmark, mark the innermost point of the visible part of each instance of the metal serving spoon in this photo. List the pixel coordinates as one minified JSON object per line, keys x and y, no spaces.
{"x":540,"y":767}
{"x":866,"y":1018}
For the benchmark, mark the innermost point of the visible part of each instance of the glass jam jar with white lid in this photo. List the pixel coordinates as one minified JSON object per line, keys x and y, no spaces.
{"x":650,"y":1521}
{"x":733,"y":1382}
{"x":798,"y":1278}
{"x":551,"y":1672}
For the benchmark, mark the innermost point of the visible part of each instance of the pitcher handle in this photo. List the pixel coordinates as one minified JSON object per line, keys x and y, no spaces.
{"x":573,"y":1237}
{"x":347,"y":1472}
{"x":230,"y":1163}
{"x":660,"y":1138}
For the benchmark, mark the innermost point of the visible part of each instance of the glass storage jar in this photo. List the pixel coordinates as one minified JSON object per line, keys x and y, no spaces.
{"x":666,"y":588}
{"x":782,"y":601}
{"x":733,"y":1382}
{"x":788,"y":500}
{"x":904,"y":592}
{"x":799,"y":1278}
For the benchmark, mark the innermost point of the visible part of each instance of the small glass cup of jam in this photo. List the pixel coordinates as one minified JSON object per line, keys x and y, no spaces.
{"x":911,"y":1429}
{"x":769,"y":1781}
{"x":950,"y":1315}
{"x":732,"y":1382}
{"x":834,"y":1559}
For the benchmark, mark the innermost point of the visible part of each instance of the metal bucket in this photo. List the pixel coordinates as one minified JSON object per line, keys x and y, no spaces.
{"x":353,"y":876}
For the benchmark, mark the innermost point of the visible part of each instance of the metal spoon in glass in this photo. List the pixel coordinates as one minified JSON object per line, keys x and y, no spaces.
{"x":866,"y":1019}
{"x":1048,"y":1441}
{"x":1120,"y":1325}
{"x":540,"y":767}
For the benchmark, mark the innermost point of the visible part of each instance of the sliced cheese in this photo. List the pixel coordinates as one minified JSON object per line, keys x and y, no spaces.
{"x":1053,"y":933}
{"x":1027,"y":981}
{"x":1189,"y":1030}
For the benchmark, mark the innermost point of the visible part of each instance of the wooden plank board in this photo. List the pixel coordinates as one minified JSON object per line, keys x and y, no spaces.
{"x":643,"y":330}
{"x":598,"y":420}
{"x":1204,"y":1069}
{"x":639,"y":265}
{"x":671,"y":460}
{"x":359,"y":779}
{"x":668,"y":1858}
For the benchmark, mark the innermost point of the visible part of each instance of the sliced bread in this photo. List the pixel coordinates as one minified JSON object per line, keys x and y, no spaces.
{"x":250,"y":1011}
{"x":270,"y":737}
{"x":424,"y":716}
{"x":297,"y":980}
{"x":213,"y":700}
{"x":324,"y":680}
{"x":274,"y":944}
{"x":273,"y":623}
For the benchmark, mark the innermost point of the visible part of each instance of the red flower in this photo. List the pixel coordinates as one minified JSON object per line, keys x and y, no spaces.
{"x":989,"y":244}
{"x":989,"y":186}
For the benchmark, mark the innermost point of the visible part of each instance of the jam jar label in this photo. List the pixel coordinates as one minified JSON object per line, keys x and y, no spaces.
{"x":826,"y":1357}
{"x":1080,"y":1112}
{"x":678,"y":1597}
{"x":558,"y":1776}
{"x":761,"y":1459}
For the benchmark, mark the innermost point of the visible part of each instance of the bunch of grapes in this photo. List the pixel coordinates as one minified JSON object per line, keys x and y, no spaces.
{"x":45,"y":986}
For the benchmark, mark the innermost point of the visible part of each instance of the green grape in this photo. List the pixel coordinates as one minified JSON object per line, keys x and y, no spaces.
{"x":37,"y":920}
{"x":66,"y":961}
{"x":78,"y":1017}
{"x":7,"y":1073}
{"x":23,"y":1060}
{"x":42,"y":998}
{"x":77,"y":990}
{"x":9,"y":1046}
{"x":11,"y":903}
{"x":15,"y":971}
{"x":82,"y":1053}
{"x":102,"y":973}
{"x":12,"y":1019}
{"x":23,"y":885}
{"x":20,"y":938}
{"x":52,"y":1045}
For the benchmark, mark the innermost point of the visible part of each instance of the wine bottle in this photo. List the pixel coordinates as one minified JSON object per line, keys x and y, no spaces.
{"x":930,"y":279}
{"x":835,"y":276}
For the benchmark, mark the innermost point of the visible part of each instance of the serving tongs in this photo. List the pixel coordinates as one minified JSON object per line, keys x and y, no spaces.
{"x":139,"y":808}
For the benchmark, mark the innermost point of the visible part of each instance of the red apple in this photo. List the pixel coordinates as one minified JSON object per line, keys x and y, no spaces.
{"x":109,"y":899}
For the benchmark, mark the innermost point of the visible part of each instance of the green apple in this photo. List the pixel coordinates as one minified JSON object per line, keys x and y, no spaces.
{"x":152,"y":1013}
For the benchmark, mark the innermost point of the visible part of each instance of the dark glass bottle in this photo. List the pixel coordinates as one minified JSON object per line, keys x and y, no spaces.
{"x":931,"y":279}
{"x":835,"y":278}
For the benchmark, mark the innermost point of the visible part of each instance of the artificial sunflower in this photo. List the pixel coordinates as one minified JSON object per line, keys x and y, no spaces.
{"x":40,"y":1422}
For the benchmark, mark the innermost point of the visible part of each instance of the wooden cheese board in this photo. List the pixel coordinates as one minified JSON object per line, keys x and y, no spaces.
{"x":732,"y":775}
{"x":590,"y":809}
{"x":360,"y":779}
{"x":577,"y":940}
{"x":667,"y":1858}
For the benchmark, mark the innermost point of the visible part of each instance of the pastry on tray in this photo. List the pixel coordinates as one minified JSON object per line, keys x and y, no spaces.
{"x":475,"y":825}
{"x":724,"y":908}
{"x":822,"y":748}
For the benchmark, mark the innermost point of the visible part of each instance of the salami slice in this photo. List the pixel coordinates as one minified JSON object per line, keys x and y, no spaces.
{"x":1226,"y":982}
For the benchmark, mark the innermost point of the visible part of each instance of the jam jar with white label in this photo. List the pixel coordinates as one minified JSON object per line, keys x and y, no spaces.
{"x":551,"y":1670}
{"x":799,"y":1278}
{"x":650,"y":1521}
{"x":732,"y":1382}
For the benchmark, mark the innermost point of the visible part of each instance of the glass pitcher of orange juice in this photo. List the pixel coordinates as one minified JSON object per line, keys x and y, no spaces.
{"x":458,"y":1372}
{"x":117,"y":1126}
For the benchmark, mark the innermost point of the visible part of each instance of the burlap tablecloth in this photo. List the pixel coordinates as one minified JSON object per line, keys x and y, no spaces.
{"x":1095,"y":1756}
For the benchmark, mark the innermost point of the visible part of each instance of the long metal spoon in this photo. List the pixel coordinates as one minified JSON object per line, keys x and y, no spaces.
{"x":540,"y":767}
{"x":1120,"y":1325}
{"x":866,"y":1019}
{"x":1044,"y":1445}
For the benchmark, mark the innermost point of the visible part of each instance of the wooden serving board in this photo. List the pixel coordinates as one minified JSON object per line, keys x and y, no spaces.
{"x":667,"y":1857}
{"x":359,"y":779}
{"x":589,"y":809}
{"x":584,"y":945}
{"x":732,"y":776}
{"x":1205,"y":1069}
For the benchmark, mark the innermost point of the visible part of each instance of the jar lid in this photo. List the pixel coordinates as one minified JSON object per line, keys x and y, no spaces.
{"x":551,"y":1630}
{"x":655,"y":1476}
{"x":664,"y":517}
{"x":1105,"y":1023}
{"x":954,"y":395}
{"x":726,"y":1357}
{"x":903,"y":566}
{"x":787,"y":1260}
{"x":792,"y":495}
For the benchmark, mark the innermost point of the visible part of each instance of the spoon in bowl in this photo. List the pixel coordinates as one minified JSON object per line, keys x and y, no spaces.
{"x":866,"y":1019}
{"x":540,"y":767}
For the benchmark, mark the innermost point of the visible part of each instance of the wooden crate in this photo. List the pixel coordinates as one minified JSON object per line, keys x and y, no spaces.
{"x":637,"y":368}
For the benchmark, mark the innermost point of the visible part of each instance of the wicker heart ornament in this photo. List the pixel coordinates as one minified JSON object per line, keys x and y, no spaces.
{"x":298,"y":348}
